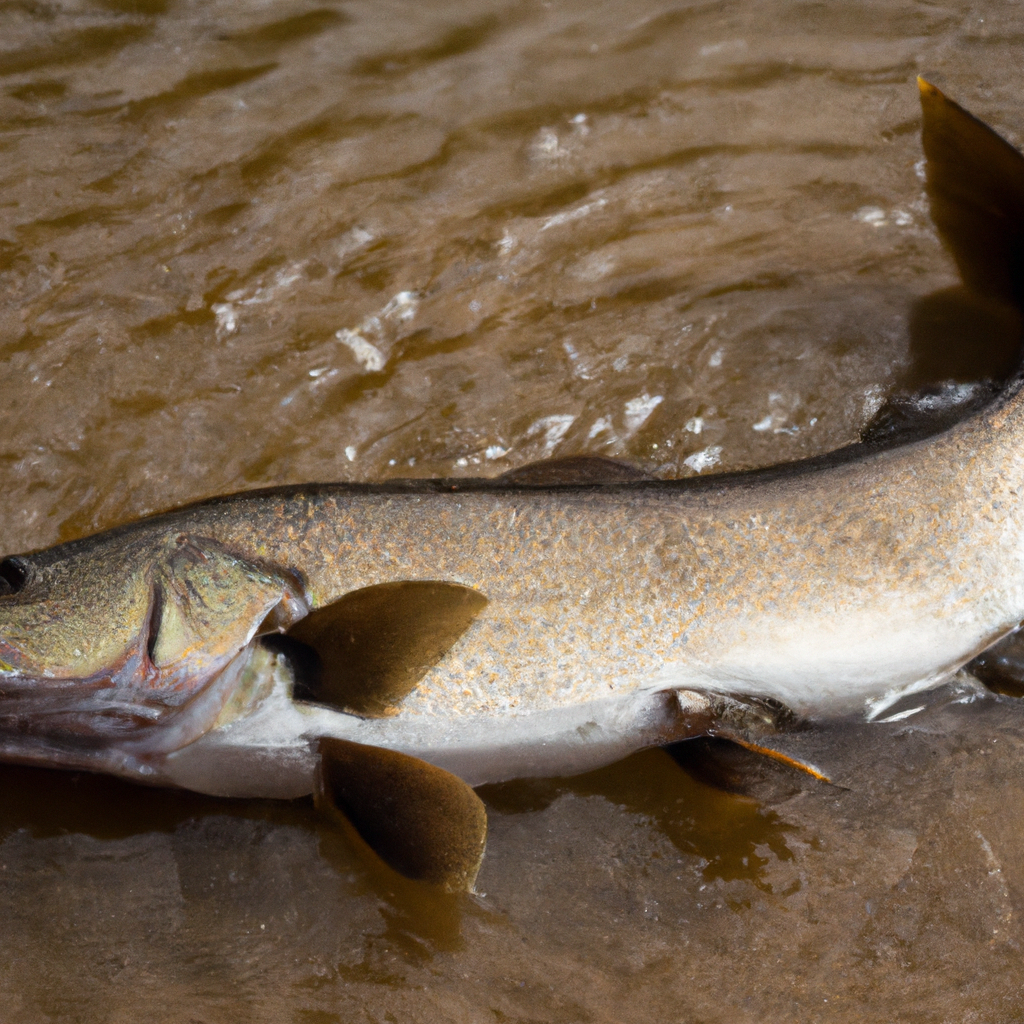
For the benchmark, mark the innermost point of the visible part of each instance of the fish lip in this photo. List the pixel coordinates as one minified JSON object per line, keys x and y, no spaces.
{"x":137,"y":752}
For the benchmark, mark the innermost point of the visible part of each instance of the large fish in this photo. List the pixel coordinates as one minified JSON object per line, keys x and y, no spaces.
{"x":390,"y":645}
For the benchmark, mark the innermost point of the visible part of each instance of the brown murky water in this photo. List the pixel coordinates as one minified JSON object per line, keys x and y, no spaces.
{"x":245,"y":244}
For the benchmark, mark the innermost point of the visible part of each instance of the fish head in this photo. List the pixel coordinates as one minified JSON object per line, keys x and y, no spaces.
{"x":109,"y":637}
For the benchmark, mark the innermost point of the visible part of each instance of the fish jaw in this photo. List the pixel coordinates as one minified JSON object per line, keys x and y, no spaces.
{"x":138,"y":737}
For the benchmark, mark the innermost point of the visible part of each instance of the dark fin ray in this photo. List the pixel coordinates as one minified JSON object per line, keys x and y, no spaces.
{"x":782,"y":757}
{"x":738,"y":769}
{"x":374,"y":645}
{"x":573,"y":469}
{"x":798,"y":749}
{"x":976,"y":189}
{"x":422,"y":821}
{"x":763,"y":726}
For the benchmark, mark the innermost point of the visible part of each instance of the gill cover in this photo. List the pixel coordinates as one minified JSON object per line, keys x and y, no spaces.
{"x":207,"y":605}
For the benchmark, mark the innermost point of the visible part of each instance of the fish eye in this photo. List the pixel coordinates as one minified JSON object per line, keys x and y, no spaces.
{"x":13,"y":574}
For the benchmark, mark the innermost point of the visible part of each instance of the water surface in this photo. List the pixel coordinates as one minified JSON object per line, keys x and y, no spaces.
{"x":254,"y":244}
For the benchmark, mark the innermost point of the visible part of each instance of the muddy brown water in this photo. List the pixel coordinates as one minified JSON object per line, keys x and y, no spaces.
{"x":248,"y":244}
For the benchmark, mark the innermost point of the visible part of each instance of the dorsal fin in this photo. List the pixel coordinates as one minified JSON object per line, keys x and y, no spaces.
{"x":573,"y":469}
{"x":372,"y":646}
{"x":976,"y":189}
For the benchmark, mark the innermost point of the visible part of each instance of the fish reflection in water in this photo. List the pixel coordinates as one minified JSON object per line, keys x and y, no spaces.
{"x":697,"y":810}
{"x":729,"y":834}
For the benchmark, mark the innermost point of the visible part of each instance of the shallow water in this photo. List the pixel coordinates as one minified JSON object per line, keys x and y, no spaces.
{"x":265,"y":243}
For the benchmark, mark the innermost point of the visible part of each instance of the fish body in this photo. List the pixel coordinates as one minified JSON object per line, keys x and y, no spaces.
{"x":580,"y":621}
{"x":829,"y":588}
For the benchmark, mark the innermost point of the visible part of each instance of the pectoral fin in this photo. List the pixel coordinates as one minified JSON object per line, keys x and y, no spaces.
{"x":423,"y":822}
{"x":374,"y":645}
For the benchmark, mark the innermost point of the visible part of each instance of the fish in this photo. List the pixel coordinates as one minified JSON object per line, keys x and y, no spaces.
{"x":389,"y":646}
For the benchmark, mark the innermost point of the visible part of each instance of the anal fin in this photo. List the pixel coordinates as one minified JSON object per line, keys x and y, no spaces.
{"x":422,"y":821}
{"x":761,"y":725}
{"x":778,"y":755}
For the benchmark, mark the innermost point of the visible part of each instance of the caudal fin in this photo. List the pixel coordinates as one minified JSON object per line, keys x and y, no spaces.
{"x":976,"y":188}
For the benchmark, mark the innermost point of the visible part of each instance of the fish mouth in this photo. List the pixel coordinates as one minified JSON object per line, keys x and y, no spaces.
{"x":103,"y":723}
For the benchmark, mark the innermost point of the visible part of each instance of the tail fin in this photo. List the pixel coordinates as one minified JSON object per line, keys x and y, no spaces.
{"x":976,"y":188}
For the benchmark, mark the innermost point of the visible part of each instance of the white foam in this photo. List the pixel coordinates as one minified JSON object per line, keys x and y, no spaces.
{"x":369,"y":357}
